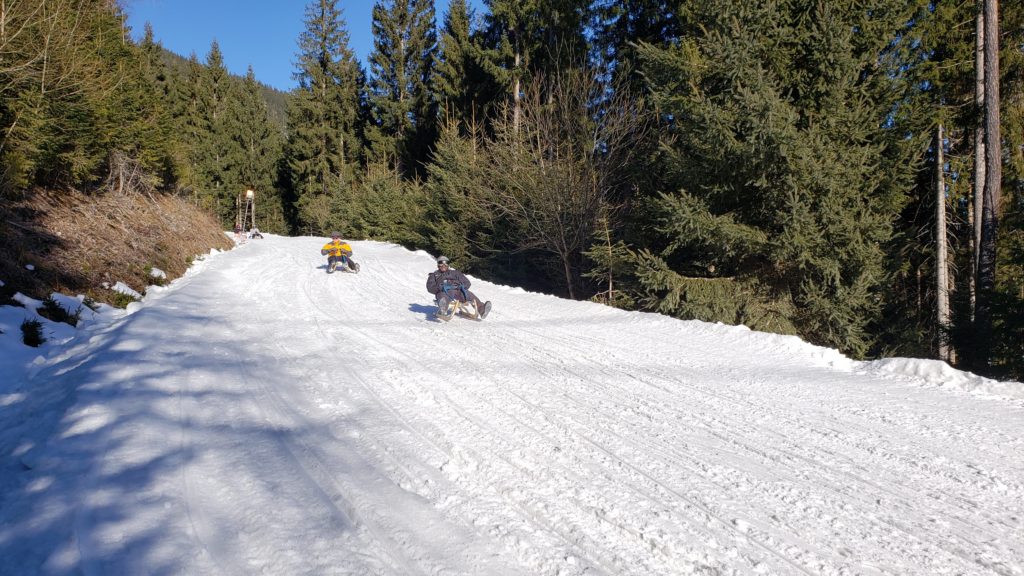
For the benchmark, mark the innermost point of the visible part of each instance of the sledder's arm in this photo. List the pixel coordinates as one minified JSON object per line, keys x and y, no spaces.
{"x":432,"y":286}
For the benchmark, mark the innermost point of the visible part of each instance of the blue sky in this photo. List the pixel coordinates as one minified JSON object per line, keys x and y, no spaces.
{"x":261,"y":33}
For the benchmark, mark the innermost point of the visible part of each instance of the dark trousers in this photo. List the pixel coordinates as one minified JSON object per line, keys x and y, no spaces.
{"x":443,"y":299}
{"x":342,"y":261}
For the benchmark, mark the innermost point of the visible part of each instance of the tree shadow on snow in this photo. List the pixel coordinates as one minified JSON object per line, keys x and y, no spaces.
{"x":69,"y":465}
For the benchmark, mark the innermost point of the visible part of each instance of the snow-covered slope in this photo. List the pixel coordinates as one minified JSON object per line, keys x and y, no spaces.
{"x":259,"y":416}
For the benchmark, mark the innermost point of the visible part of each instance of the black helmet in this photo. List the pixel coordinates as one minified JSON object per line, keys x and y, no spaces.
{"x":442,"y":260}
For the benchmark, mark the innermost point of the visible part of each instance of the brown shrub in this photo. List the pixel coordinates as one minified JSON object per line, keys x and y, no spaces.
{"x":78,"y":241}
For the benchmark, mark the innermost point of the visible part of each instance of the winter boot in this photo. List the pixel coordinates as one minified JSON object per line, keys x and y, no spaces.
{"x":486,"y":310}
{"x":446,"y":309}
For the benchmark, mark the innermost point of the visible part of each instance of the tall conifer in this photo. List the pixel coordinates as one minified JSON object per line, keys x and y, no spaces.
{"x":323,"y":145}
{"x":529,"y":36}
{"x":255,"y":150}
{"x":453,"y":86}
{"x":401,"y":70}
{"x":623,"y":24}
{"x":787,"y":168}
{"x":213,"y":97}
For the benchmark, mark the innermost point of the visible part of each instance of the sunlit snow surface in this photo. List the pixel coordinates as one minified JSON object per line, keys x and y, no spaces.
{"x":259,"y":416}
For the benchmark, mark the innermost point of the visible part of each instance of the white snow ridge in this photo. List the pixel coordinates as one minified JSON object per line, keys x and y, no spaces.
{"x":259,"y":416}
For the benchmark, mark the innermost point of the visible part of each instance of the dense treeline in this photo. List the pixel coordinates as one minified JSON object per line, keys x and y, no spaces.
{"x":799,"y":167}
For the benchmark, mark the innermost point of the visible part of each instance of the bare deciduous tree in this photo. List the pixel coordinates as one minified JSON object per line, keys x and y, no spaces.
{"x":554,"y":166}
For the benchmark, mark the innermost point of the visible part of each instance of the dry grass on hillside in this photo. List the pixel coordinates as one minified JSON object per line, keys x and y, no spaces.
{"x":78,"y":242}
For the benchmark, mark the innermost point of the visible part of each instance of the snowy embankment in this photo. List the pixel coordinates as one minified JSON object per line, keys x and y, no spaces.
{"x":261,"y":416}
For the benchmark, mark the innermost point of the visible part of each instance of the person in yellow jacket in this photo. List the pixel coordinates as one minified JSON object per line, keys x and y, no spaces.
{"x":338,"y":252}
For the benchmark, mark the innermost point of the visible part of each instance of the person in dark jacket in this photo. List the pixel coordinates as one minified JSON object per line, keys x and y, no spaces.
{"x":447,"y":284}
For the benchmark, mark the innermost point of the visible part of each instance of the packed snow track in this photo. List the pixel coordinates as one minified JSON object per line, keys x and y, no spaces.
{"x":260,"y":416}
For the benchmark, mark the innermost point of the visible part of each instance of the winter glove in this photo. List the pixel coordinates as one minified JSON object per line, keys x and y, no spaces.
{"x":323,"y":252}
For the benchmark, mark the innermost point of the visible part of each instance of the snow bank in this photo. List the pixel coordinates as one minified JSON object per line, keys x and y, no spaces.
{"x":938,"y":374}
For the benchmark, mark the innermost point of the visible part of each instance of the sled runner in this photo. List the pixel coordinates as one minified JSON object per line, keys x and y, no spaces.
{"x":463,"y":307}
{"x":343,"y":263}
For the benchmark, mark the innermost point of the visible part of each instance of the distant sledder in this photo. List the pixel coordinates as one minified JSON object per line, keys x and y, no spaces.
{"x":338,"y":252}
{"x":451,"y":293}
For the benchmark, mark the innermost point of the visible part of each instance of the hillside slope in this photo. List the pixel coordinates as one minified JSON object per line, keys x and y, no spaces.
{"x":71,"y":242}
{"x":262,"y":416}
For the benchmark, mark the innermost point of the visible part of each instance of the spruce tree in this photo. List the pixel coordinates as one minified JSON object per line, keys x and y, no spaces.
{"x":1008,"y":351}
{"x":453,"y":86}
{"x":70,"y":92}
{"x":255,"y":151}
{"x":942,"y":73}
{"x":215,"y":94}
{"x":788,"y":171}
{"x":623,"y":24}
{"x":161,"y":107}
{"x":193,"y":129}
{"x":457,"y":224}
{"x":526,"y":37}
{"x":400,"y":89}
{"x":323,"y":146}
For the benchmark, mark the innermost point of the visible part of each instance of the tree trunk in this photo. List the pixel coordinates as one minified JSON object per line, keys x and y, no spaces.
{"x":979,"y":153}
{"x":941,"y":267}
{"x":993,"y":191}
{"x":515,"y":94}
{"x":611,"y":256}
{"x":567,"y":268}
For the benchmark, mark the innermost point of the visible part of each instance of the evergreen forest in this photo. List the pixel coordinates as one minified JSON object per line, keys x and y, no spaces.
{"x":848,"y":172}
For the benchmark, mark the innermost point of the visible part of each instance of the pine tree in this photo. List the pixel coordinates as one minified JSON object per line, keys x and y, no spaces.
{"x":215,"y":94}
{"x":788,"y":174}
{"x":400,"y":91}
{"x":173,"y":92}
{"x":389,"y":208}
{"x":624,"y":24}
{"x":70,"y":91}
{"x":457,"y":225}
{"x":192,"y":125}
{"x":529,"y":37}
{"x":253,"y":157}
{"x":1008,"y":350}
{"x":453,"y":85}
{"x":323,"y":146}
{"x":612,"y":259}
{"x":942,"y":57}
{"x":161,"y":107}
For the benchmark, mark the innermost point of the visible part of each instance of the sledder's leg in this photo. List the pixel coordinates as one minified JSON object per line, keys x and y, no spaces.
{"x":446,"y":308}
{"x":480,"y":309}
